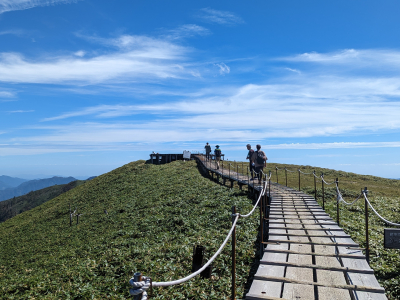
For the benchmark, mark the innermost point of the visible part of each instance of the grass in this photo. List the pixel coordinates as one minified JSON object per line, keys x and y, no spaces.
{"x":155,"y":215}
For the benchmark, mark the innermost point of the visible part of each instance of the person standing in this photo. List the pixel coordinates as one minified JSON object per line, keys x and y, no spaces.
{"x":208,"y":151}
{"x":260,"y":161}
{"x":251,"y":164}
{"x":217,"y":153}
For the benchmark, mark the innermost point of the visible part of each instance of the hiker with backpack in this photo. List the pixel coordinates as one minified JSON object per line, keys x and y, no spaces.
{"x":251,"y":164}
{"x":208,"y":151}
{"x":217,"y":153}
{"x":260,"y":161}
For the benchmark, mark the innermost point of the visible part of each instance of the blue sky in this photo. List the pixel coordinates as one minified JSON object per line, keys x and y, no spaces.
{"x":87,"y":86}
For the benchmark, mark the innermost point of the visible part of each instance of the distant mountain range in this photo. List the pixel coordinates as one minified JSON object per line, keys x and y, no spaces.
{"x":18,"y":187}
{"x":10,"y":182}
{"x":12,"y":207}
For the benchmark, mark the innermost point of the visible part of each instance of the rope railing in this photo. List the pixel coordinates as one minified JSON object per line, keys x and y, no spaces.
{"x":378,"y":215}
{"x":140,"y":284}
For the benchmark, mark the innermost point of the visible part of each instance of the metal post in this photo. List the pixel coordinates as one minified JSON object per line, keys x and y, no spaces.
{"x":137,"y":277}
{"x":365,"y":192}
{"x":261,"y":224}
{"x":315,"y":186}
{"x":337,"y":204}
{"x":233,"y":296}
{"x":237,"y":172}
{"x":229,"y":170}
{"x":323,"y":191}
{"x":286,"y":175}
{"x":269,"y":185}
{"x":299,"y":179}
{"x":277,"y":179}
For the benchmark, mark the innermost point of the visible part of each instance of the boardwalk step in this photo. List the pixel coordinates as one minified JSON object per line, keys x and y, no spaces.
{"x":359,"y":288}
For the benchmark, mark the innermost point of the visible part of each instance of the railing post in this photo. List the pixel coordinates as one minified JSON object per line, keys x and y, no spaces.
{"x":286,"y":175}
{"x":365,"y":192}
{"x":233,"y":296}
{"x":315,"y":186}
{"x":323,"y":191}
{"x":261,"y":222}
{"x":237,"y":172}
{"x":337,"y":203}
{"x":269,"y":185}
{"x":277,"y":179}
{"x":299,"y":179}
{"x":229,"y":170}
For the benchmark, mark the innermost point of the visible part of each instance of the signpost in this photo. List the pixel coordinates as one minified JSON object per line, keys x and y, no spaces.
{"x":392,"y":238}
{"x":186,"y":155}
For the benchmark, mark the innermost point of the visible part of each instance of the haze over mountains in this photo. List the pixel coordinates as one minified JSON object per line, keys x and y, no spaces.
{"x":13,"y":187}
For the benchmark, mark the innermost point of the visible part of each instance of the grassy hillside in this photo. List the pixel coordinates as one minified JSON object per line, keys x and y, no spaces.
{"x":11,"y":208}
{"x":155,"y":215}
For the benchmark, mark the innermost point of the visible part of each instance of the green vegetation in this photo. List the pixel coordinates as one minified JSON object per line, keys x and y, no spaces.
{"x":155,"y":215}
{"x":11,"y":208}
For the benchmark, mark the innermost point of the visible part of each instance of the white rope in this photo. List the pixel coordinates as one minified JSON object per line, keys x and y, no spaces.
{"x":142,"y":286}
{"x":322,"y":177}
{"x":340,"y":197}
{"x":304,"y":173}
{"x":380,"y":217}
{"x":262,"y":193}
{"x":290,"y":171}
{"x":169,"y":283}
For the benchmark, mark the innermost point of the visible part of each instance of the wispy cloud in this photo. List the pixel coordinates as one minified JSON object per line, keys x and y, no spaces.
{"x":10,"y":5}
{"x":343,"y":145}
{"x":223,"y":68}
{"x":18,"y":32}
{"x":19,"y":111}
{"x":138,"y":58}
{"x":185,"y":31}
{"x":220,"y":17}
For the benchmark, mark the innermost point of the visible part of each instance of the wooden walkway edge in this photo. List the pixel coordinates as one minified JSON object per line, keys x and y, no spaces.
{"x":306,"y":255}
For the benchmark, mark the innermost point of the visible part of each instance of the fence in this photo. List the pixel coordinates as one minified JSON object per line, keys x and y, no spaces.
{"x":141,"y":284}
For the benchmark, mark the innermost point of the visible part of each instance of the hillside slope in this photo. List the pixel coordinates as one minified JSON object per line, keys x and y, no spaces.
{"x":155,"y":215}
{"x":11,"y":208}
{"x":33,"y":185}
{"x":10,"y":182}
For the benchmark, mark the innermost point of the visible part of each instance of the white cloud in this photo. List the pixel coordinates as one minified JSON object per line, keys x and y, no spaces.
{"x":80,"y":53}
{"x":220,"y":17}
{"x":138,"y":58}
{"x":20,"y":111}
{"x":342,"y":145}
{"x":10,"y":5}
{"x":6,"y":94}
{"x":185,"y":31}
{"x":223,"y":68}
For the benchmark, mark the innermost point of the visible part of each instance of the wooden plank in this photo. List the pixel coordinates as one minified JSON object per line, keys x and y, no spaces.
{"x":353,"y":256}
{"x":273,"y":241}
{"x":305,"y":235}
{"x":307,"y":228}
{"x":261,"y":296}
{"x":310,"y":266}
{"x":302,"y":282}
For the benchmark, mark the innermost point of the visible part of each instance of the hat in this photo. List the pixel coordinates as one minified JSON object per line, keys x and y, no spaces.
{"x":217,"y":146}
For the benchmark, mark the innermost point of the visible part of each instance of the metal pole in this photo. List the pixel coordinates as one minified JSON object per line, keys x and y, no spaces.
{"x":269,"y":185}
{"x":286,"y":175}
{"x":261,"y":224}
{"x":277,"y":179}
{"x":237,"y":172}
{"x":366,"y":225}
{"x":337,"y":204}
{"x":229,"y":170}
{"x":137,"y":277}
{"x":315,"y":186}
{"x":323,"y":191}
{"x":299,"y":179}
{"x":233,"y":296}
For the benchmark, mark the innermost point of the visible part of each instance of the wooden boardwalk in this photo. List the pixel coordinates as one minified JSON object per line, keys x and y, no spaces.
{"x":306,"y":255}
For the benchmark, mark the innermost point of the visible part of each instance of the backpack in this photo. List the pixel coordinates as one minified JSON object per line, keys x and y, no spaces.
{"x":260,"y":157}
{"x":217,"y":152}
